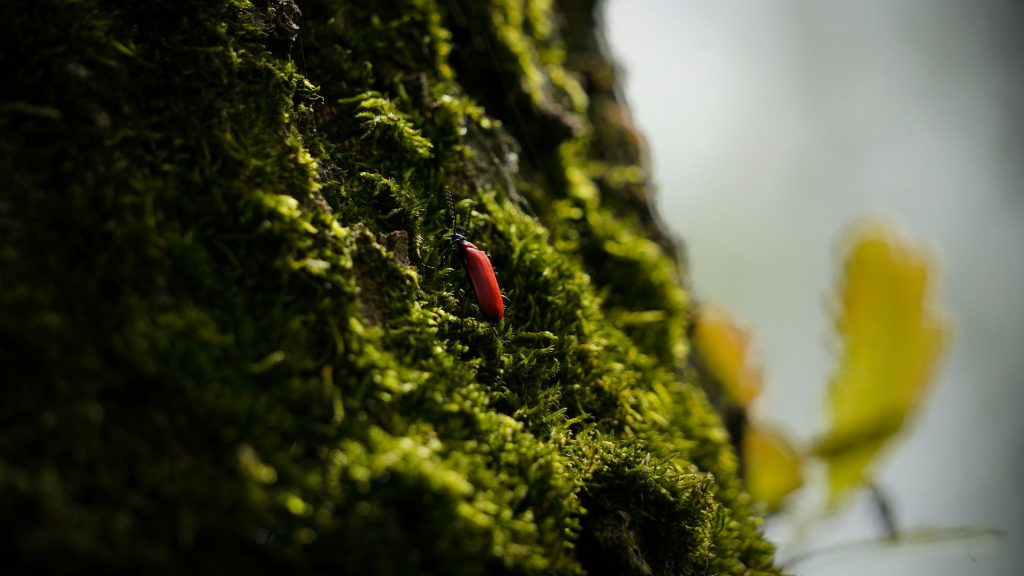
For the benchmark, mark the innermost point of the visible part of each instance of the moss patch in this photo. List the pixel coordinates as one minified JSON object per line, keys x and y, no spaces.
{"x":231,"y":338}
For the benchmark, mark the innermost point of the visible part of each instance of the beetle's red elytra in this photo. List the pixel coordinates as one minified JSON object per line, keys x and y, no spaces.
{"x":481,"y":277}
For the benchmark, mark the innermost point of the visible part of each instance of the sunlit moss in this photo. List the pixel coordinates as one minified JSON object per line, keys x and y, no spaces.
{"x":232,"y":339}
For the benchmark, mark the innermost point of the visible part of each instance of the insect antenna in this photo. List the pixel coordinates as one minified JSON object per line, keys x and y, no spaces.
{"x":451,"y":209}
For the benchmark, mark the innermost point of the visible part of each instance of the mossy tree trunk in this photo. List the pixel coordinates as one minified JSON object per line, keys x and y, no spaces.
{"x":232,"y":339}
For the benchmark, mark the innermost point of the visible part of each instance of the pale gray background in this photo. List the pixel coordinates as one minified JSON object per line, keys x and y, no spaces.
{"x":773,"y":124}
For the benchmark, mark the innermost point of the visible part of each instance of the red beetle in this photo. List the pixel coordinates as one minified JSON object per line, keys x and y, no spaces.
{"x":481,"y":276}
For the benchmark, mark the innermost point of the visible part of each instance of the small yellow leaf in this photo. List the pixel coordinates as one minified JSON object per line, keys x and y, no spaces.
{"x":772,"y":468}
{"x":725,"y":350}
{"x":891,"y":341}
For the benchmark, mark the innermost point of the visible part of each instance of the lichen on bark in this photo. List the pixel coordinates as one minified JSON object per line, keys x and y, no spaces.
{"x":230,"y":337}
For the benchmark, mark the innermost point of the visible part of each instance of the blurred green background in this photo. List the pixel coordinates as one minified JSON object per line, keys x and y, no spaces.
{"x":772,"y":125}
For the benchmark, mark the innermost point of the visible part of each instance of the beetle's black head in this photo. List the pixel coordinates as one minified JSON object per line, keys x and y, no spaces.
{"x":458,"y":241}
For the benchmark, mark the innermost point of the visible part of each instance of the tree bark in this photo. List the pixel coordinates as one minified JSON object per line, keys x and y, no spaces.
{"x":233,"y":335}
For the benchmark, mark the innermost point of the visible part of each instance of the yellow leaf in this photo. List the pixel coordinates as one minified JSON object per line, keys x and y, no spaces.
{"x":891,"y":341}
{"x":772,"y":468}
{"x":725,"y":350}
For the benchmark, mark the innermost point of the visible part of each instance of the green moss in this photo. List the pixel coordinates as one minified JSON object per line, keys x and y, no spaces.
{"x":232,"y":337}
